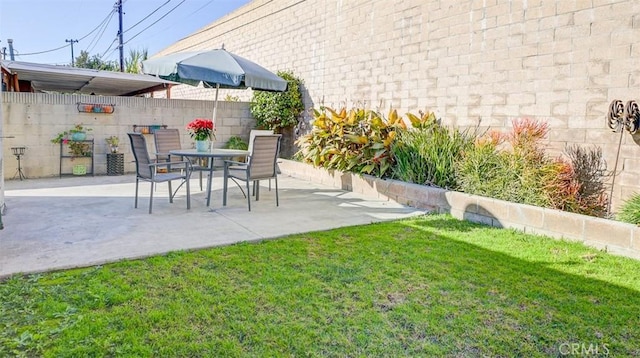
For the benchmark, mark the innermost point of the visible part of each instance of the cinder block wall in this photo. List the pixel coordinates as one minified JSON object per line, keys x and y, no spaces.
{"x":474,"y":62}
{"x":33,"y":119}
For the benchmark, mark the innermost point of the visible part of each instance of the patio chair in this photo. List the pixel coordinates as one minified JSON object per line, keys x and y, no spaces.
{"x":252,"y":135}
{"x":146,"y":170}
{"x":168,"y":139}
{"x":261,"y":166}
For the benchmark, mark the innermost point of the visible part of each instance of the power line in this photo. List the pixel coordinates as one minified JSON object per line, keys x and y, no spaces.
{"x":109,"y":48}
{"x":41,"y":52}
{"x":240,"y":25}
{"x":155,"y":22}
{"x":61,"y":47}
{"x":255,"y":9}
{"x":159,"y":32}
{"x":105,"y":23}
{"x":108,"y":17}
{"x":146,"y":17}
{"x":200,"y":8}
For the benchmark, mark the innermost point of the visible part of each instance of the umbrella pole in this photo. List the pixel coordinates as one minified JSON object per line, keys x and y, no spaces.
{"x":215,"y":109}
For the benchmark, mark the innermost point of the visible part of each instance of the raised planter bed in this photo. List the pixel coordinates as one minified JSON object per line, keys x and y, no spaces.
{"x":613,"y":236}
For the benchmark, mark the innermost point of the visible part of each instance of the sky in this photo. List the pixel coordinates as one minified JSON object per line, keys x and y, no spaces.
{"x":43,"y":25}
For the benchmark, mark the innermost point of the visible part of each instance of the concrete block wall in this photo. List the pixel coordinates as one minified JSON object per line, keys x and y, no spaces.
{"x":473,"y":62}
{"x":33,"y":119}
{"x":613,"y":236}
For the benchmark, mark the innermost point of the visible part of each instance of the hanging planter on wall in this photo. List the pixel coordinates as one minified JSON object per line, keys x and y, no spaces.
{"x":95,"y":108}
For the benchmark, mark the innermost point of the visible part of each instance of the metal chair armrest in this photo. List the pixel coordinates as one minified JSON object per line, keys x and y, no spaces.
{"x":186,"y":163}
{"x":233,"y":162}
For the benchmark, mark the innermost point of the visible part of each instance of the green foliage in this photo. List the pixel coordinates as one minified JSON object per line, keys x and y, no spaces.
{"x":230,"y":98}
{"x":76,"y":148}
{"x":78,"y":128}
{"x":95,"y":62}
{"x":427,"y":153}
{"x":425,"y":121}
{"x":511,"y":166}
{"x":479,"y":171}
{"x":236,"y":142}
{"x":361,"y":291}
{"x":516,"y":175}
{"x":133,"y":63}
{"x":113,"y":142}
{"x":523,"y":173}
{"x":79,"y":149}
{"x":630,"y":210}
{"x":276,"y":110}
{"x":357,"y":140}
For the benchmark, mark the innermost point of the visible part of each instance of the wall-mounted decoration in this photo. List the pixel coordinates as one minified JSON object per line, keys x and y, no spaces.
{"x":96,"y":108}
{"x":622,"y":116}
{"x":619,"y":118}
{"x":147,"y":128}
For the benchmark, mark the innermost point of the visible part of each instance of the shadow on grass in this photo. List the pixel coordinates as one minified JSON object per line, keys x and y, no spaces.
{"x":545,"y":308}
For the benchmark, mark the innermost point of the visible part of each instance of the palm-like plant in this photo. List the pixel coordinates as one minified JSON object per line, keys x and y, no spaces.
{"x":630,"y":210}
{"x":133,"y":64}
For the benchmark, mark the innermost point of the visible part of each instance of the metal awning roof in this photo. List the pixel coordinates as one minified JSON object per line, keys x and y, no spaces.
{"x":51,"y":78}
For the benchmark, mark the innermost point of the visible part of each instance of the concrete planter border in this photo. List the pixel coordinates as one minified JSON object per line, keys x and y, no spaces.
{"x":613,"y":236}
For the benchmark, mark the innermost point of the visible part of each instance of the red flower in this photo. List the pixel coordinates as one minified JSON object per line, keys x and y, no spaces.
{"x":201,"y":129}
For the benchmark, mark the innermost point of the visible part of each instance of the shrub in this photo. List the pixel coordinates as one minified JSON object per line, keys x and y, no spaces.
{"x":630,"y":210}
{"x":480,"y":170}
{"x":235,"y":142}
{"x":519,"y":175}
{"x":576,"y":184}
{"x":589,"y":175}
{"x":357,"y":140}
{"x":525,"y":174}
{"x":509,"y":166}
{"x":277,"y":110}
{"x":427,"y":153}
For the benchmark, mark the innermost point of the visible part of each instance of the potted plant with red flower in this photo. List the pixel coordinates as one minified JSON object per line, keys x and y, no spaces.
{"x":202,"y":131}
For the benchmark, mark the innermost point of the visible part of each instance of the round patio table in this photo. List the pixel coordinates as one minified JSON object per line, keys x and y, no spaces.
{"x":210,"y":155}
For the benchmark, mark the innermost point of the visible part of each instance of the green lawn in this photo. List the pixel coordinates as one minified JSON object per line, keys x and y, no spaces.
{"x":429,"y":286}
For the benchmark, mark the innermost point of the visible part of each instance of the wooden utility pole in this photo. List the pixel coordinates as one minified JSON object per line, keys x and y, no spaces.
{"x":73,"y":59}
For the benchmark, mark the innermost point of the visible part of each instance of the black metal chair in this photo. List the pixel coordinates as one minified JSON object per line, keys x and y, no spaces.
{"x":146,"y":170}
{"x":261,"y":166}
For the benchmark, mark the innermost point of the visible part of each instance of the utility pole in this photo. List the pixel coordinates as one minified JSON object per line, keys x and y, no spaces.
{"x":120,"y":44}
{"x":73,"y":59}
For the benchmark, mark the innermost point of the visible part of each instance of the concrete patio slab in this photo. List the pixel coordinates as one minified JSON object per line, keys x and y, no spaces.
{"x":60,"y":223}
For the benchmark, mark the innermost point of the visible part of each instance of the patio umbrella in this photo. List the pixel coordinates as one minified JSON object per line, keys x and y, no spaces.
{"x":214,"y":69}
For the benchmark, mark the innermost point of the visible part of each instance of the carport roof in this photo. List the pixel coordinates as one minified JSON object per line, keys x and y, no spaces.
{"x":52,"y":78}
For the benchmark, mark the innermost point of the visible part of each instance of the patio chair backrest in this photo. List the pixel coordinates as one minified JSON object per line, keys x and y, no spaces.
{"x":264,"y":153}
{"x":141,"y":154}
{"x":166,"y":139}
{"x":254,"y":133}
